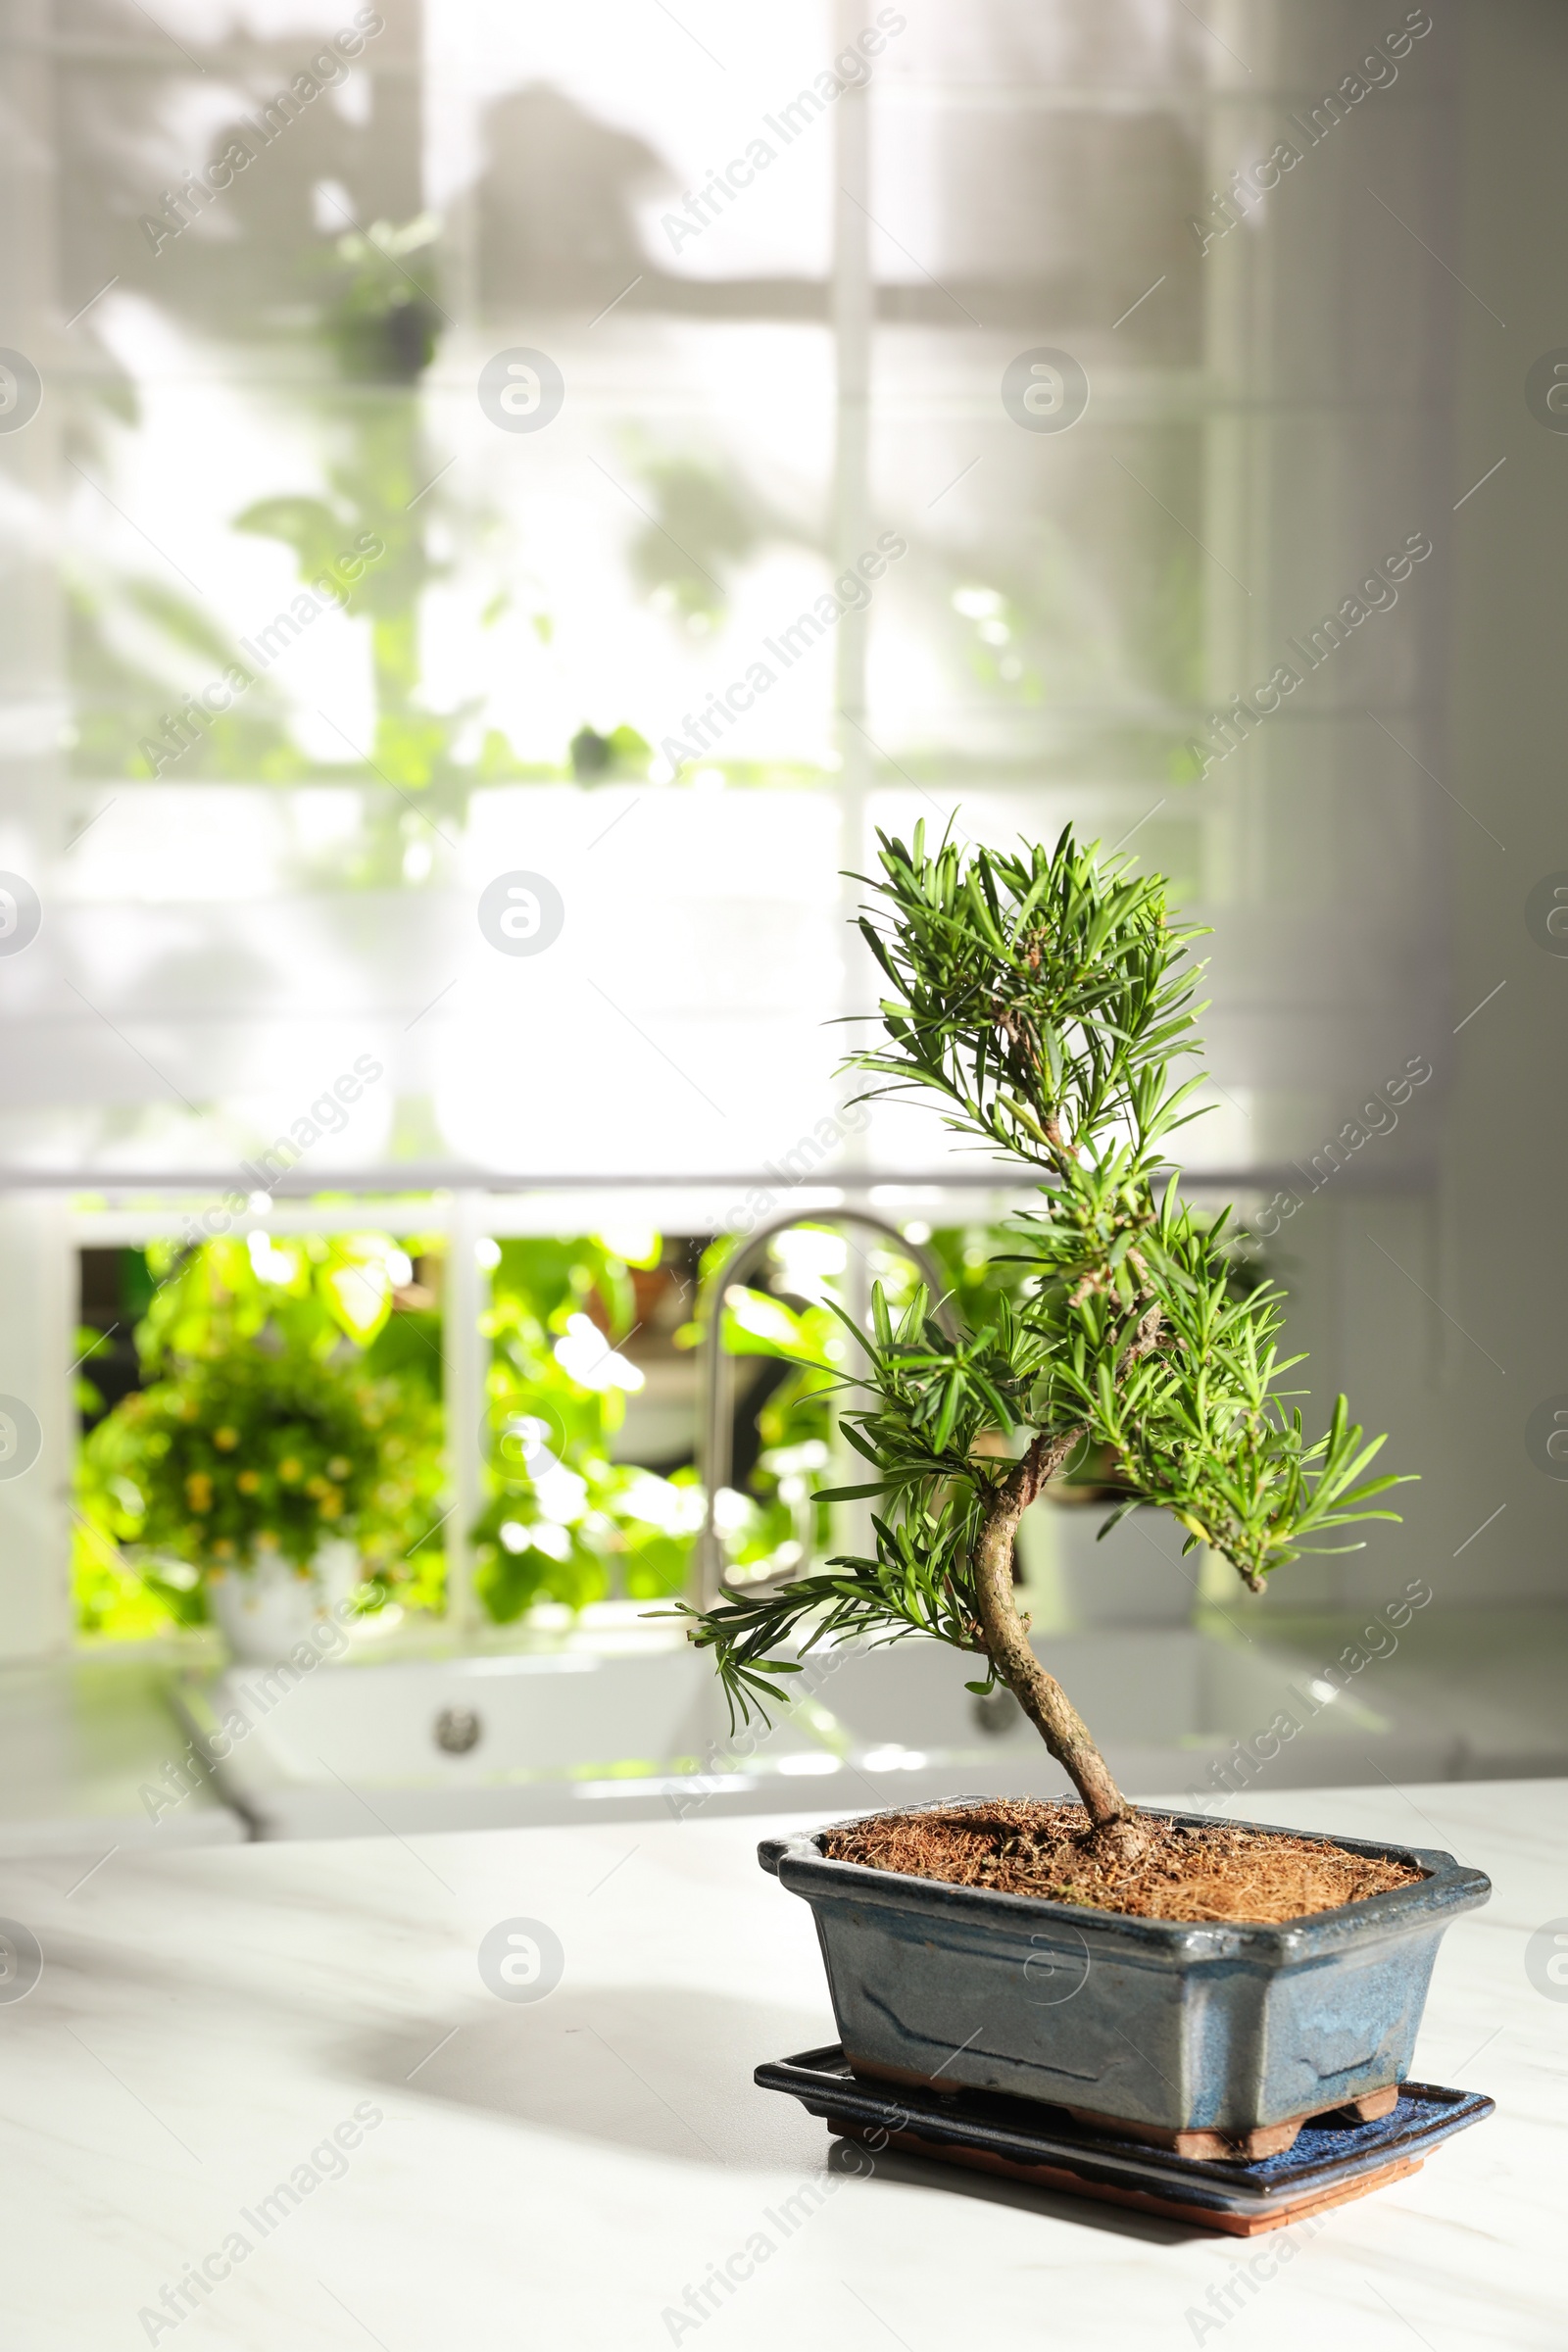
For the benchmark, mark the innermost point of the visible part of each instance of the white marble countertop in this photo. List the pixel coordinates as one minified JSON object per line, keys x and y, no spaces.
{"x":79,"y":1738}
{"x":558,"y":2174}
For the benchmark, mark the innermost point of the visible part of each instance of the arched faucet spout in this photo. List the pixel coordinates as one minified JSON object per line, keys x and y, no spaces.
{"x":717,"y":1406}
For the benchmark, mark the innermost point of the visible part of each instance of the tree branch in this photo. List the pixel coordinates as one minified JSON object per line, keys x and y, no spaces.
{"x":1039,"y":1693}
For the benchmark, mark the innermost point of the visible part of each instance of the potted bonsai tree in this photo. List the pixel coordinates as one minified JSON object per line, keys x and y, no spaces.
{"x":1214,"y":1983}
{"x":270,"y":1469}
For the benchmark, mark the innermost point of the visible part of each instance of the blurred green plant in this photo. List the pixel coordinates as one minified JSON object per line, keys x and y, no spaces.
{"x":774,"y":1524}
{"x":124,"y":639}
{"x":375,"y":309}
{"x":704,"y":523}
{"x":283,"y":1406}
{"x":382,"y":323}
{"x":611,"y":758}
{"x":563,"y":1521}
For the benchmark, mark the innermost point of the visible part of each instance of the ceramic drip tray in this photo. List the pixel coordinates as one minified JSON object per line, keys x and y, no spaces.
{"x":1330,"y":2162}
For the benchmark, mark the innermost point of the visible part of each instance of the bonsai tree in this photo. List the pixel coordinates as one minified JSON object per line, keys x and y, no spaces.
{"x":1045,"y":997}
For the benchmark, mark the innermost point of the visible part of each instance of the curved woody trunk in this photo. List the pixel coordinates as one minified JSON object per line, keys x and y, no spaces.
{"x":1039,"y":1693}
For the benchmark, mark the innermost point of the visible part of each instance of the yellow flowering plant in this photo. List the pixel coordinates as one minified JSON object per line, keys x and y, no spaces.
{"x":267,"y":1423}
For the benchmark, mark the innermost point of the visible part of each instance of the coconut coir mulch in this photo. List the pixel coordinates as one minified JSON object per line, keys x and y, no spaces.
{"x":1027,"y":1847}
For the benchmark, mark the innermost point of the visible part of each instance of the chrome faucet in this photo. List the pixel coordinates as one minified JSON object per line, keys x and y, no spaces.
{"x":717,"y":1410}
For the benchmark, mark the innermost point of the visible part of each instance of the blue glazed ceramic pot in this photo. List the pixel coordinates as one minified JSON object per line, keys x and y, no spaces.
{"x":1163,"y":2025}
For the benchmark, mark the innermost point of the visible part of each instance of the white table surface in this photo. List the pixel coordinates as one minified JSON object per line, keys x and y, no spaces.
{"x":79,"y":1739}
{"x":558,"y":2174}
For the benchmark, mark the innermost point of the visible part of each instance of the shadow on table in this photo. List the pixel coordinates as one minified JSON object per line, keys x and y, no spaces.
{"x":667,"y":2071}
{"x":662,"y":2069}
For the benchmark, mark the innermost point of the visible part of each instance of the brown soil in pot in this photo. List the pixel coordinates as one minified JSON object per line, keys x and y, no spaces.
{"x":1025,"y":1845}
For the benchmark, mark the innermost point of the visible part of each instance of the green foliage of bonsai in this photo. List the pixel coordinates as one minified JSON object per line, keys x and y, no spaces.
{"x":1046,"y":998}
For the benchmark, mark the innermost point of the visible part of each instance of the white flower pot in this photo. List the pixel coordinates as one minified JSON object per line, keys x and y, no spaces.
{"x":267,"y":1609}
